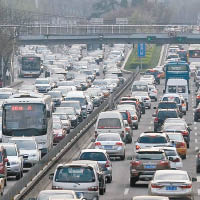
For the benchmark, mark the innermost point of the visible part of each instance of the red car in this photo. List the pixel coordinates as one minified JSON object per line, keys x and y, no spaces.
{"x":58,"y":132}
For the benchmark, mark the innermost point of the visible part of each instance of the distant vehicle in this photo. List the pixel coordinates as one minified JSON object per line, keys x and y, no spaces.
{"x":29,"y":66}
{"x":26,"y":115}
{"x":194,"y":53}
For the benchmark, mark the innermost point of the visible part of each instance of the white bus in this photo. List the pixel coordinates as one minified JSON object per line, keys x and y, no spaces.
{"x":194,"y":53}
{"x":29,"y":66}
{"x":28,"y":115}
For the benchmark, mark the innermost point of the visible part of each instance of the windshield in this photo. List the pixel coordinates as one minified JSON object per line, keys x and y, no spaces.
{"x":109,"y":123}
{"x":55,"y":94}
{"x":108,"y":137}
{"x":170,"y":152}
{"x":167,"y":114}
{"x":143,"y":88}
{"x":75,"y":174}
{"x":96,"y":156}
{"x":43,"y":81}
{"x":68,"y":104}
{"x":68,"y":111}
{"x":124,"y":115}
{"x":171,"y":177}
{"x":25,"y":144}
{"x":4,"y":96}
{"x":175,"y":137}
{"x":175,"y":99}
{"x":30,"y":63}
{"x":57,"y":196}
{"x":150,"y":156}
{"x":80,"y":99}
{"x":152,"y":140}
{"x":10,"y":151}
{"x":177,"y":127}
{"x":177,"y":68}
{"x":24,"y":116}
{"x":57,"y":126}
{"x":166,"y":105}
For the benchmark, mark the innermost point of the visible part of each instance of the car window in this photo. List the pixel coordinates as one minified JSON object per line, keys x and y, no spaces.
{"x":167,"y":114}
{"x":1,"y":159}
{"x":177,"y":177}
{"x":166,"y":105}
{"x":109,"y":123}
{"x":170,"y":152}
{"x":96,"y":156}
{"x":152,"y":139}
{"x":75,"y":174}
{"x":108,"y":138}
{"x":175,"y":137}
{"x":150,"y":156}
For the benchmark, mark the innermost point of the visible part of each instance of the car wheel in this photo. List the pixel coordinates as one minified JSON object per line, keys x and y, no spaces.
{"x":101,"y":191}
{"x":132,"y":182}
{"x":184,"y":156}
{"x":5,"y":183}
{"x":123,"y":157}
{"x":195,"y":119}
{"x":184,"y":113}
{"x":109,"y":179}
{"x":18,"y":176}
{"x":188,"y":145}
{"x":136,"y":127}
{"x":156,"y":99}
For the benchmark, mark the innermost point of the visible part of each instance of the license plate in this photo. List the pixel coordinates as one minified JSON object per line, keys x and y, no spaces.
{"x":108,"y":146}
{"x":149,"y":166}
{"x":171,"y":188}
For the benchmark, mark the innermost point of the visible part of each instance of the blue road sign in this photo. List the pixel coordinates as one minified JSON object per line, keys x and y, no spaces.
{"x":141,"y":50}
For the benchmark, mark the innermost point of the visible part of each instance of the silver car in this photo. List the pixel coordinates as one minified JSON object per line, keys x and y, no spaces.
{"x":103,"y":159}
{"x":150,"y":198}
{"x":28,"y":148}
{"x":15,"y":161}
{"x":112,"y":143}
{"x":172,"y":183}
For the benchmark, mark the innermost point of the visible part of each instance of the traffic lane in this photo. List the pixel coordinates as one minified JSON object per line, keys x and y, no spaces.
{"x":119,"y":188}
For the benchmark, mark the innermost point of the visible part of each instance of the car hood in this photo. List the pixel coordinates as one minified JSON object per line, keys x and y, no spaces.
{"x":27,"y":152}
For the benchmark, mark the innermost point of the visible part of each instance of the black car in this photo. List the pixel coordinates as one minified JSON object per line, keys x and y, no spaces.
{"x":162,"y":115}
{"x":197,"y":113}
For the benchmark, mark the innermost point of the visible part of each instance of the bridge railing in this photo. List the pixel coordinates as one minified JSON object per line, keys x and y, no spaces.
{"x":101,"y":29}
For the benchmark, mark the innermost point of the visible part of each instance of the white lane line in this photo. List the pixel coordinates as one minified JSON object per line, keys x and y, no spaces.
{"x":151,"y":122}
{"x":195,"y":128}
{"x":196,"y":148}
{"x":149,"y":127}
{"x":195,"y":134}
{"x":198,"y":192}
{"x":195,"y":140}
{"x":126,"y":191}
{"x":198,"y":179}
{"x":195,"y":123}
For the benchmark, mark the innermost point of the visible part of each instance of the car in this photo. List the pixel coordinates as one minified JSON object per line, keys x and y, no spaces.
{"x":56,"y":97}
{"x":151,"y":139}
{"x":172,"y":183}
{"x":162,"y":115}
{"x":155,"y":73}
{"x":112,"y":143}
{"x":126,"y":116}
{"x":145,"y":98}
{"x":47,"y":194}
{"x":69,"y":174}
{"x":28,"y":148}
{"x":129,"y":132}
{"x":15,"y":161}
{"x":197,"y":98}
{"x":59,"y":132}
{"x":150,"y":198}
{"x":197,"y":78}
{"x":145,"y":163}
{"x":101,"y":175}
{"x":153,"y":92}
{"x":197,"y":113}
{"x":180,"y":128}
{"x":3,"y":164}
{"x":173,"y":157}
{"x":43,"y":85}
{"x":103,"y":159}
{"x":179,"y":142}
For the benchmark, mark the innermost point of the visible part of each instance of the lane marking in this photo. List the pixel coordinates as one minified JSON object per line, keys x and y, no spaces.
{"x":151,"y":122}
{"x":196,"y":148}
{"x":195,"y":128}
{"x":149,"y":127}
{"x":126,"y":191}
{"x":198,"y":179}
{"x":198,"y":191}
{"x":195,"y":140}
{"x":195,"y":123}
{"x":195,"y":134}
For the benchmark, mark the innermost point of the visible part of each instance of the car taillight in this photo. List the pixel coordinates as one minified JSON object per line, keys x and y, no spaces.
{"x":164,"y":163}
{"x":146,"y":98}
{"x":154,"y":91}
{"x":107,"y":164}
{"x":198,"y":97}
{"x":97,"y":144}
{"x":94,"y":188}
{"x":135,"y":118}
{"x":176,"y":160}
{"x":119,"y":143}
{"x":156,"y":119}
{"x":56,"y":188}
{"x":135,"y":163}
{"x":127,"y":129}
{"x":156,"y":186}
{"x":137,"y":147}
{"x":180,"y":145}
{"x":188,"y":186}
{"x":184,"y":133}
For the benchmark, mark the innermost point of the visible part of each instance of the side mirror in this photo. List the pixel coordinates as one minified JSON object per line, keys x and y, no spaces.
{"x":51,"y":176}
{"x":194,"y":179}
{"x":5,"y":159}
{"x":92,"y":140}
{"x":48,"y":113}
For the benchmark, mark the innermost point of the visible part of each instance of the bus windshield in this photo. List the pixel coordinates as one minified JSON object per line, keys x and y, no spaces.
{"x":24,"y":117}
{"x":31,"y":63}
{"x":177,"y":68}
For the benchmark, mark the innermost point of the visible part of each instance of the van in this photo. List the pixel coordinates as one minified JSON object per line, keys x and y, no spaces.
{"x":179,"y":86}
{"x":110,"y":122}
{"x":82,"y":178}
{"x":78,"y":96}
{"x":141,"y":86}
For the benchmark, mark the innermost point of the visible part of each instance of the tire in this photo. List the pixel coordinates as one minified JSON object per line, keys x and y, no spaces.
{"x":188,"y":145}
{"x":184,"y":113}
{"x":18,"y":176}
{"x":195,"y":119}
{"x":136,"y":127}
{"x":183,"y":157}
{"x":123,"y":157}
{"x":5,"y":183}
{"x":156,"y":99}
{"x":101,"y":191}
{"x":109,"y":179}
{"x":132,"y":182}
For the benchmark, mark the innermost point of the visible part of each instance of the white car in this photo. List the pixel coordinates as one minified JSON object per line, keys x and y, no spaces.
{"x":153,"y":92}
{"x":145,"y":98}
{"x":172,"y":183}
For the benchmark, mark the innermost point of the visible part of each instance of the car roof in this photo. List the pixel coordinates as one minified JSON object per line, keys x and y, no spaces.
{"x":100,"y":134}
{"x":56,"y":191}
{"x":23,"y":138}
{"x":93,"y":150}
{"x":150,"y":198}
{"x":152,"y":134}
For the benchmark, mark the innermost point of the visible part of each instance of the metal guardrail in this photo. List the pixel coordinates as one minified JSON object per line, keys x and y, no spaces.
{"x":26,"y":183}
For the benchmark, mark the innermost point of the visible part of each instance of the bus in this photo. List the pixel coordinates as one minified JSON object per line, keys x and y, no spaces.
{"x":177,"y":70}
{"x":29,"y":66}
{"x":194,"y":53}
{"x":28,"y":115}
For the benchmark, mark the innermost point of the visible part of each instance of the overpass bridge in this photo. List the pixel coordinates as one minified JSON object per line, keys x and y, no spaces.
{"x":103,"y":34}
